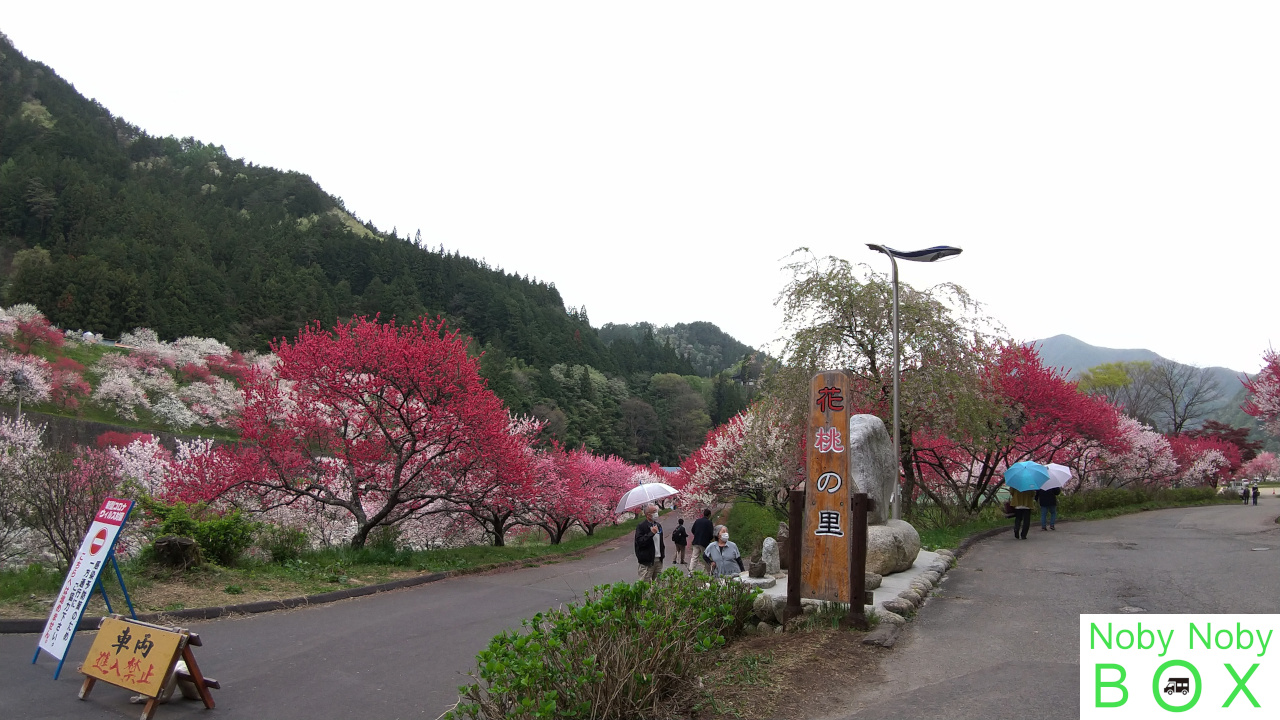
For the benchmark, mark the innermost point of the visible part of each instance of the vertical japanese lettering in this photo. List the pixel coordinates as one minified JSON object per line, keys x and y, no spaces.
{"x":827,"y":440}
{"x":830,"y":398}
{"x":829,"y":523}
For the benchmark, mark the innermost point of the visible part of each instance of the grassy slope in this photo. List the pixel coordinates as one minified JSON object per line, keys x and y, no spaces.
{"x":25,"y":593}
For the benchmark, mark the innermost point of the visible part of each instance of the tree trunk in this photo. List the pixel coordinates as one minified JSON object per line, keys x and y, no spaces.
{"x":907,"y":465}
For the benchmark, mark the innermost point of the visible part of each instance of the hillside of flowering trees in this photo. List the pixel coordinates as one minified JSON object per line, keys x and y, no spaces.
{"x":342,"y":432}
{"x":187,"y":384}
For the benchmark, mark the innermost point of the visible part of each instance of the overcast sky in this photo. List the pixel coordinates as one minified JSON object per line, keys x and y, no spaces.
{"x":1111,"y":169}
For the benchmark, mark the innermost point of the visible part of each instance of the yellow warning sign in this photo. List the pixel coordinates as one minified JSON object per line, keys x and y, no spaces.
{"x":132,"y":656}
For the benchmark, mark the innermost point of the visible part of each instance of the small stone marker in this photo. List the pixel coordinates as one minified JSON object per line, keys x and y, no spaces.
{"x":771,"y":556}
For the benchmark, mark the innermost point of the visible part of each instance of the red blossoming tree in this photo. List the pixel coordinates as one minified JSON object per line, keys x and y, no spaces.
{"x":1041,"y":416}
{"x":383,"y":422}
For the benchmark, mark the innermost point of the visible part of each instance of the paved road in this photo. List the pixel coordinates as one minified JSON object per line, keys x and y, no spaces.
{"x":998,"y":642}
{"x":1001,"y":638}
{"x":399,"y":654}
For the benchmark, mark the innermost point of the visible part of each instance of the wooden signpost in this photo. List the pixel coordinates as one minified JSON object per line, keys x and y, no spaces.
{"x":143,"y":658}
{"x":826,"y":535}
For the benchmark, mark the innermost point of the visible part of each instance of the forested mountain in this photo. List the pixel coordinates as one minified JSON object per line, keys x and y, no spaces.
{"x":708,"y":349}
{"x":105,"y":228}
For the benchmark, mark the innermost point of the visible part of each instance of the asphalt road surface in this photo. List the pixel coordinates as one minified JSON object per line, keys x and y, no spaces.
{"x":1001,"y":638}
{"x":999,"y":641}
{"x":399,"y":654}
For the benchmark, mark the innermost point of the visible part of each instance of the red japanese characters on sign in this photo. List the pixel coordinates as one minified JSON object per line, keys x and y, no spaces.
{"x":65,"y":614}
{"x":133,"y":655}
{"x":830,"y":398}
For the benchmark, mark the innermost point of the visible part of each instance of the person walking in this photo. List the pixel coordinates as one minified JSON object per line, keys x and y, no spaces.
{"x":703,"y":531}
{"x":1048,"y":502}
{"x":1244,"y":494}
{"x":650,"y":550}
{"x":723,"y":555}
{"x":1021,"y":502}
{"x":1256,"y":493}
{"x":680,"y":538}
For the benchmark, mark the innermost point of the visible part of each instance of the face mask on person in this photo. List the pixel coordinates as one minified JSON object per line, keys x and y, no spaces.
{"x":724,"y":536}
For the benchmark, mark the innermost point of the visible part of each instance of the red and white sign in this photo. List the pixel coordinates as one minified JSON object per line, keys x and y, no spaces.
{"x":83,"y":575}
{"x":98,"y":541}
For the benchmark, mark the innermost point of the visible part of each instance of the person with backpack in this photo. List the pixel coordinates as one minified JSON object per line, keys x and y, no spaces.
{"x":680,"y":538}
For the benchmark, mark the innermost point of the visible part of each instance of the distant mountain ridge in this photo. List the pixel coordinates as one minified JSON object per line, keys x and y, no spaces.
{"x":1076,"y":356}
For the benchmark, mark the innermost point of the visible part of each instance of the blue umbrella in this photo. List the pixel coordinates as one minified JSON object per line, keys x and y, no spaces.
{"x":1026,"y":475}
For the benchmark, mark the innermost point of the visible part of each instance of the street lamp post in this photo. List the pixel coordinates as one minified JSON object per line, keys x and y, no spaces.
{"x":927,"y":255}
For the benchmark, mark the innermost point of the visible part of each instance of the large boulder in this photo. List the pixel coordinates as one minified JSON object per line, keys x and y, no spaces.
{"x":772,"y":556}
{"x":762,"y":606}
{"x":891,"y":547}
{"x":871,"y":465}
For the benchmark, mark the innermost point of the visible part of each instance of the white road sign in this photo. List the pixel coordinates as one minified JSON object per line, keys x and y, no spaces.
{"x":84,"y":573}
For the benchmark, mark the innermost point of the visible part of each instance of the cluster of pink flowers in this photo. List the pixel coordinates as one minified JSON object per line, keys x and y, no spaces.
{"x":1264,"y":466}
{"x":174,"y":381}
{"x":26,"y":374}
{"x":756,"y":454}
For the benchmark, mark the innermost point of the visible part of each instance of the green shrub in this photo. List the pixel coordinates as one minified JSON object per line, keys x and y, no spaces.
{"x":174,"y":519}
{"x":616,"y":655}
{"x":384,"y":538}
{"x":221,"y":537}
{"x":1107,"y":498}
{"x":282,"y":544}
{"x":749,"y":524}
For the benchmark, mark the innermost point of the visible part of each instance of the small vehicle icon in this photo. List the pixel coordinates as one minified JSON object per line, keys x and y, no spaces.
{"x":1179,"y":685}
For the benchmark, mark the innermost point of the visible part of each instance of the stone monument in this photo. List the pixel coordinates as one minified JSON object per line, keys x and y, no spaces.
{"x":892,"y":545}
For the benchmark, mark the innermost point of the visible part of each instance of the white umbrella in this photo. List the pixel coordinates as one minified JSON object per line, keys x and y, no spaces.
{"x":645,"y":493}
{"x":1059,"y":475}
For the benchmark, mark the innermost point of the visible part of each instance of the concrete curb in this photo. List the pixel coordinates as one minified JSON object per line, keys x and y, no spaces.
{"x":36,"y":625}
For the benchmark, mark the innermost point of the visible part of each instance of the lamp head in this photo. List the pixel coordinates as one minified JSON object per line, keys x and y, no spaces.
{"x":938,"y":252}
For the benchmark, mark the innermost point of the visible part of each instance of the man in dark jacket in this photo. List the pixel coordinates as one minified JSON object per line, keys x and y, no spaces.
{"x":1048,"y":502}
{"x":650,"y":550}
{"x":702,"y":532}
